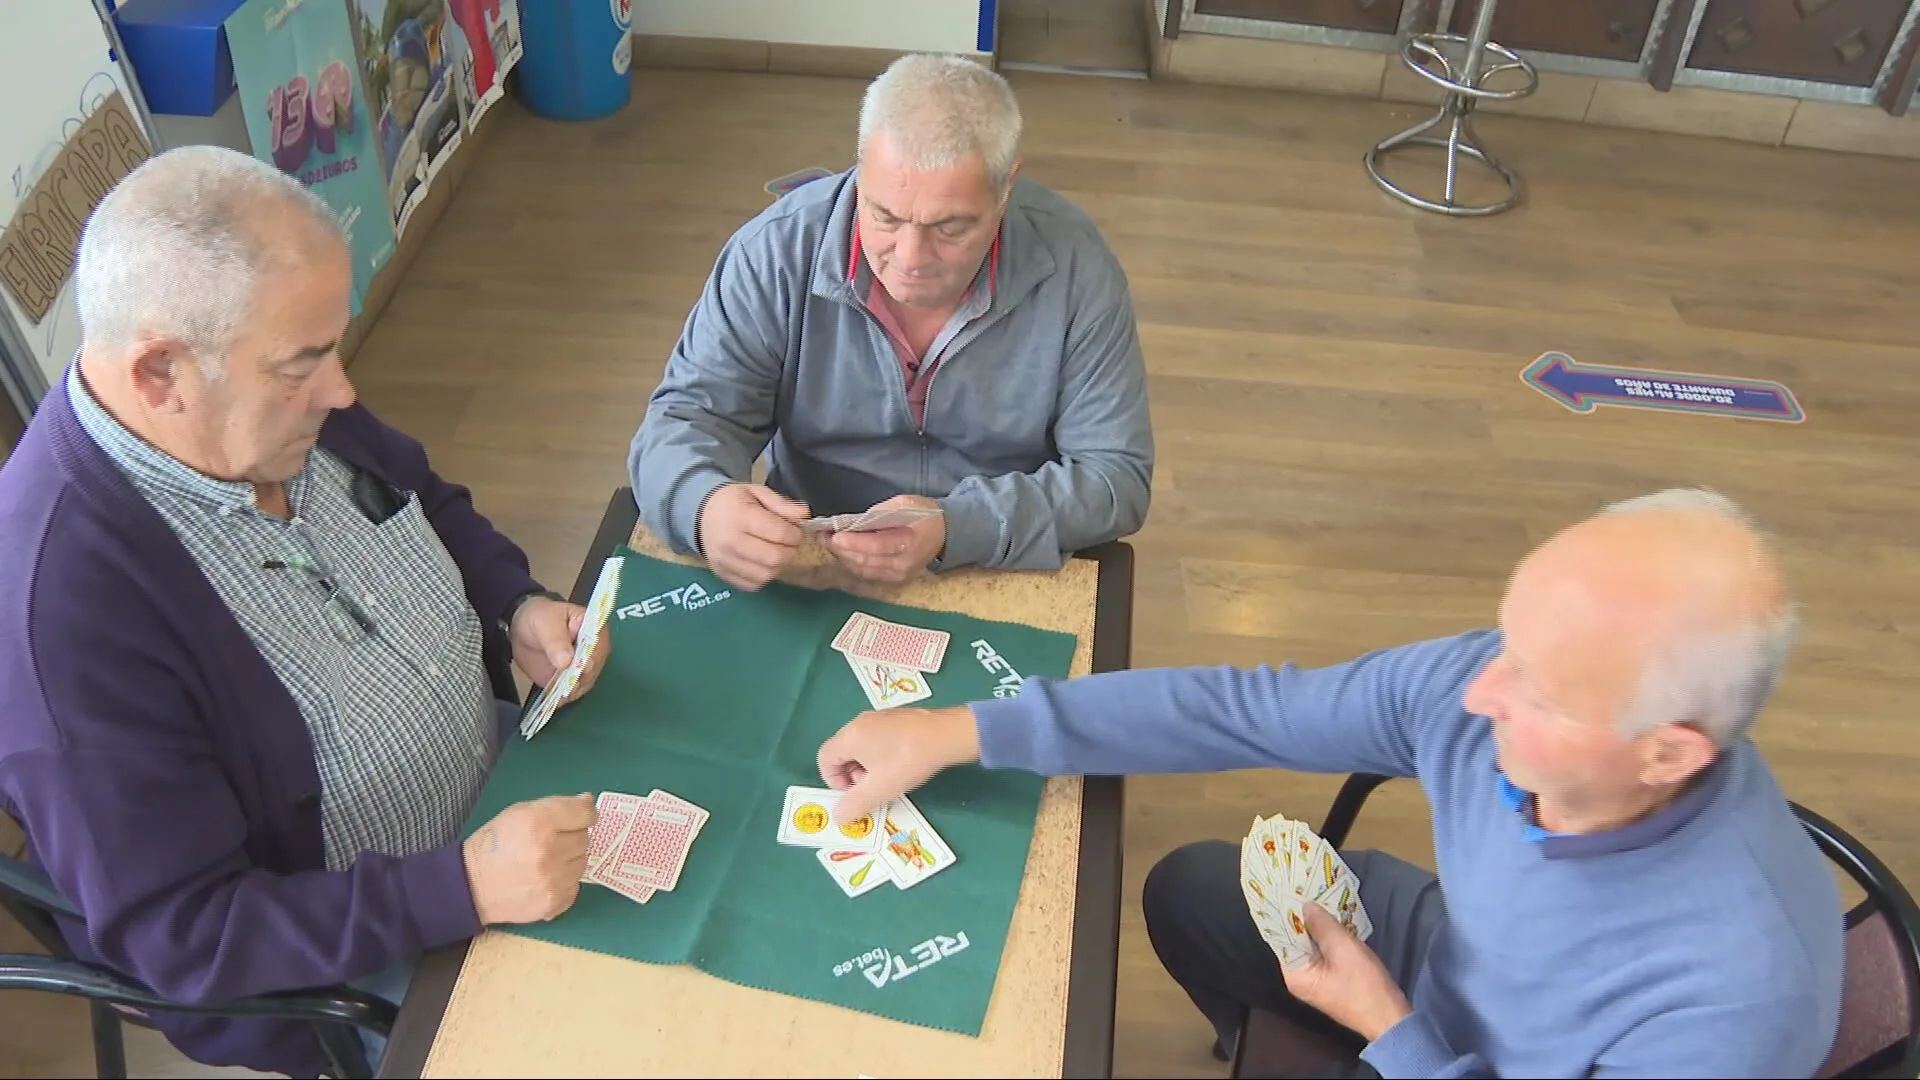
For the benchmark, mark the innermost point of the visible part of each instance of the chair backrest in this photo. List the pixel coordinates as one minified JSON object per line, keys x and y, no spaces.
{"x":1880,"y":999}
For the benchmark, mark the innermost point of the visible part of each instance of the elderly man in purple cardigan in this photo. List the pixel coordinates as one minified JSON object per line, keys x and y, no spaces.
{"x":254,"y":653}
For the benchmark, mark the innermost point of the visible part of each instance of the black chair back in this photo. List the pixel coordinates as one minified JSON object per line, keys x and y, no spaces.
{"x":1880,"y":1003}
{"x":28,"y":894}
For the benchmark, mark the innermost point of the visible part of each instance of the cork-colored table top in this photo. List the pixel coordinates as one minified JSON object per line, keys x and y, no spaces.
{"x":529,"y":1008}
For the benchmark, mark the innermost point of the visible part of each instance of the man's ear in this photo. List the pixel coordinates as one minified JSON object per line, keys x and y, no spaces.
{"x":155,"y":366}
{"x":1674,"y":754}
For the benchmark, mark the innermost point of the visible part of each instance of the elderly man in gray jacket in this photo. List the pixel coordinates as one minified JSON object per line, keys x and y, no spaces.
{"x":924,"y":332}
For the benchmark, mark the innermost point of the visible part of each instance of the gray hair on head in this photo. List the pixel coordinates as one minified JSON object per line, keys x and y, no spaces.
{"x":178,"y":248}
{"x":937,"y":110}
{"x":1717,"y":680}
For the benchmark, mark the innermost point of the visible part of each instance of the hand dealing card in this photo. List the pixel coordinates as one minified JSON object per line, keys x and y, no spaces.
{"x":889,"y":685}
{"x":806,"y":820}
{"x":909,"y":847}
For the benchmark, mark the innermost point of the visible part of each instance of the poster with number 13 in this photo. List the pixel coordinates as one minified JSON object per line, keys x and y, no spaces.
{"x":300,"y":89}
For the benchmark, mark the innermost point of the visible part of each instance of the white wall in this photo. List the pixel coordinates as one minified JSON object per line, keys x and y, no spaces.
{"x":55,"y":68}
{"x":950,"y":26}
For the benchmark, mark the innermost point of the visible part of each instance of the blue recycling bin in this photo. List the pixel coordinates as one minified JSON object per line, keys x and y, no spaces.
{"x":576,"y":59}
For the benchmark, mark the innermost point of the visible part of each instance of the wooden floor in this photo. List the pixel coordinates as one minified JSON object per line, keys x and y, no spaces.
{"x":1347,"y":457}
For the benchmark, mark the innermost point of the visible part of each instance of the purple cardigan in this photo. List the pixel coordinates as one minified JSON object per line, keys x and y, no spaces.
{"x":164,"y":776}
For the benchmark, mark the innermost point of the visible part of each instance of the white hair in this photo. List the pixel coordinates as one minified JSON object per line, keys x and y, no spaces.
{"x":1716,"y":680}
{"x":177,"y":248}
{"x":937,"y":110}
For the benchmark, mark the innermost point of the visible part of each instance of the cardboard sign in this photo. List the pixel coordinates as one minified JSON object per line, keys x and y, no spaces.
{"x":38,"y":248}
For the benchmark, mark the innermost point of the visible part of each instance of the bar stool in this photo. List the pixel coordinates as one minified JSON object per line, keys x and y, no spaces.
{"x":1463,"y":80}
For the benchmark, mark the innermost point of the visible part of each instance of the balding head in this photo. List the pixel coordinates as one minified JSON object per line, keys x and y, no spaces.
{"x":179,"y":247}
{"x":1636,"y":646}
{"x":1680,"y":587}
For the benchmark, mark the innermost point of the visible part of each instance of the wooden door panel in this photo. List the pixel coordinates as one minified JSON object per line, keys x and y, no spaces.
{"x":1607,"y":29}
{"x":1381,"y":16}
{"x":1834,"y":41}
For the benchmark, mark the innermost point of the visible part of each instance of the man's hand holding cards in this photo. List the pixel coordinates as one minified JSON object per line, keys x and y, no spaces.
{"x":1285,"y":866}
{"x":892,"y":542}
{"x":892,"y":844}
{"x":590,"y":650}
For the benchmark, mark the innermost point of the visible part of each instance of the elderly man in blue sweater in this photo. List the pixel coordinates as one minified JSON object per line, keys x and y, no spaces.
{"x":1627,"y":891}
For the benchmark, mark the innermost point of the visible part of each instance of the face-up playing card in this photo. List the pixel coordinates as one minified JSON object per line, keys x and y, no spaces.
{"x":869,"y":638}
{"x":806,"y":820}
{"x":911,"y":849}
{"x":1276,"y":922}
{"x":1284,"y":866}
{"x":855,"y":870}
{"x":889,"y":685}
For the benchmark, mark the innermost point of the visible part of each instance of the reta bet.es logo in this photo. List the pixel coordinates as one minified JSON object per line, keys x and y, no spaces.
{"x":687,"y":597}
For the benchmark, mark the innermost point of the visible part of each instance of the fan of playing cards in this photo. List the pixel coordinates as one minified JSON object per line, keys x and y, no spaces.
{"x":1284,"y":866}
{"x":894,"y":843}
{"x":599,"y":608}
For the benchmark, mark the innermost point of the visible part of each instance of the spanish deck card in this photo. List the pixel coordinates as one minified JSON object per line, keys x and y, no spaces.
{"x":889,"y":685}
{"x":856,"y":870}
{"x":606,"y":591}
{"x":1284,"y":866}
{"x":870,"y":638}
{"x":654,"y":848}
{"x":806,"y":820}
{"x":895,"y":517}
{"x":639,"y":846}
{"x":909,"y":847}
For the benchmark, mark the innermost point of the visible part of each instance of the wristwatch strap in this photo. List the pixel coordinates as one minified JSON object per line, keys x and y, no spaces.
{"x":513,"y":606}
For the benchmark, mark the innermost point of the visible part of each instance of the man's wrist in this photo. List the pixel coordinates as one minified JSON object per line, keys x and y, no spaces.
{"x":700,"y":515}
{"x":959,"y":735}
{"x":514,"y":605}
{"x":1378,"y":1026}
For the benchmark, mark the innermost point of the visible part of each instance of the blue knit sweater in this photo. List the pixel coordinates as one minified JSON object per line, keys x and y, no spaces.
{"x":1705,"y":940}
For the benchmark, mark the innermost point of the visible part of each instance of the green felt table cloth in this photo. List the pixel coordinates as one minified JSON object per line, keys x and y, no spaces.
{"x":723,"y":697}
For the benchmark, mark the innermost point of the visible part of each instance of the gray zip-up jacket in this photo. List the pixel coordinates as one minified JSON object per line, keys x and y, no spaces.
{"x":1037,"y":441}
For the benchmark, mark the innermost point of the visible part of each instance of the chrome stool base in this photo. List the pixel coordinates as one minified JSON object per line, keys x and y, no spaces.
{"x":1464,"y":83}
{"x":1458,"y":142}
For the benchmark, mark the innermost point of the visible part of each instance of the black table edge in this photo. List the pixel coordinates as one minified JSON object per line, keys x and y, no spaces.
{"x":1092,"y":972}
